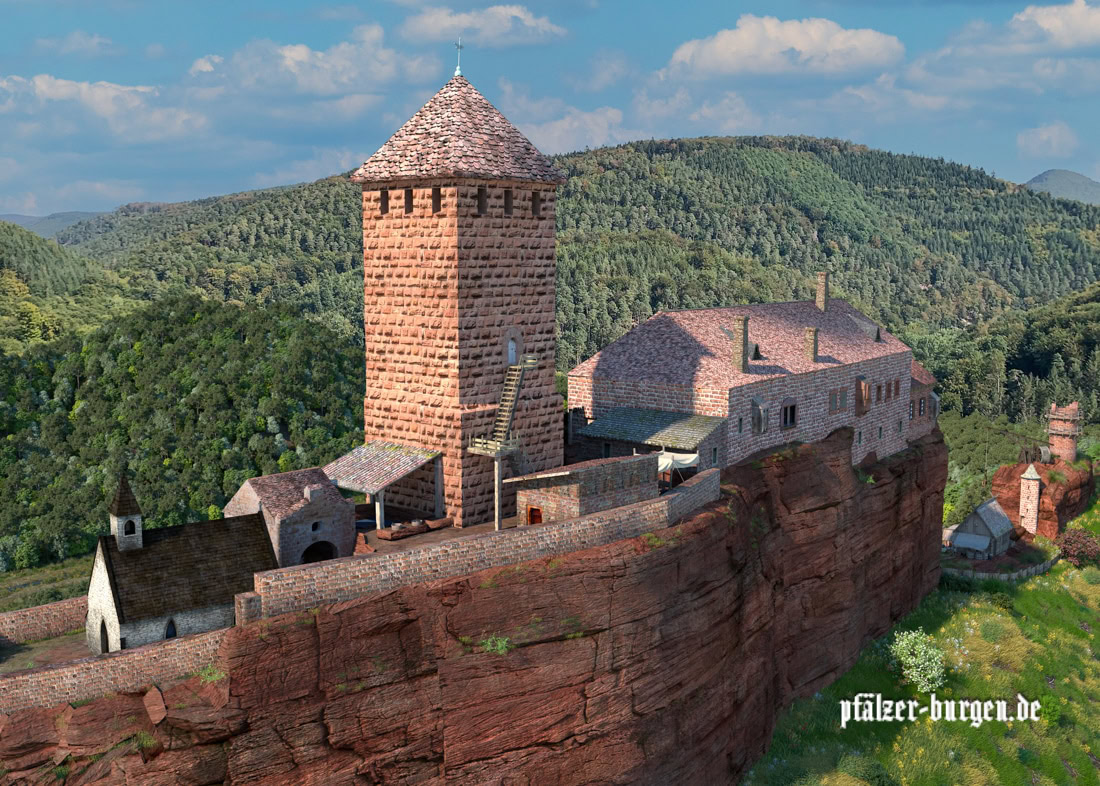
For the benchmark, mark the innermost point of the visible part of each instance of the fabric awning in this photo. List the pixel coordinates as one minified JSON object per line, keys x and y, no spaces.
{"x":667,"y":462}
{"x":371,"y":467}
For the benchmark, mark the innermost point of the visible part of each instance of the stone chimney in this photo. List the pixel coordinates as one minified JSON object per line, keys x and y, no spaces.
{"x":312,"y":491}
{"x":1029,"y":499}
{"x":823,"y":290}
{"x":741,"y":343}
{"x":810,"y":344}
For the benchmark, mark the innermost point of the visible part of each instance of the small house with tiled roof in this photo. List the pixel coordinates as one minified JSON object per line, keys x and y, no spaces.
{"x":151,"y":585}
{"x":924,"y":404}
{"x":775,"y":373}
{"x":306,"y":517}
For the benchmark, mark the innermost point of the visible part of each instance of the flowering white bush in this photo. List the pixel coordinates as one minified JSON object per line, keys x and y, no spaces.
{"x":921,"y":660}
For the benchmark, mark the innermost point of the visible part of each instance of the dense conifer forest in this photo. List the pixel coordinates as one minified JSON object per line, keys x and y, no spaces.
{"x":201,"y":343}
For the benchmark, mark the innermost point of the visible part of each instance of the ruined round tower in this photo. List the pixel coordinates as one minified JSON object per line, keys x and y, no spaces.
{"x":458,"y":272}
{"x":1063,"y":429}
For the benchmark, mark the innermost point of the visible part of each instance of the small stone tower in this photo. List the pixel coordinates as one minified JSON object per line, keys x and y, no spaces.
{"x":458,"y":270}
{"x":1029,"y":499}
{"x":125,"y":516}
{"x":1063,"y":429}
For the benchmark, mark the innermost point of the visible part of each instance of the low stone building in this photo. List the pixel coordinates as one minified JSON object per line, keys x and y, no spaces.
{"x":149,"y":585}
{"x":984,"y":534}
{"x":577,"y":490}
{"x":307,"y":518}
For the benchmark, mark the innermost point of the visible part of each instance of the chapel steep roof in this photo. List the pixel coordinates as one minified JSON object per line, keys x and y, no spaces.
{"x":458,"y":133}
{"x":125,"y":503}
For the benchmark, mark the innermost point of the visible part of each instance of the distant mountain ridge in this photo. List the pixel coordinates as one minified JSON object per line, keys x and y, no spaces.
{"x":1065,"y":184}
{"x":48,"y":226}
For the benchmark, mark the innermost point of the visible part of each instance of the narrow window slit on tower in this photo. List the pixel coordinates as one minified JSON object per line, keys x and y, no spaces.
{"x":482,"y":200}
{"x":507,"y":201}
{"x":408,"y":200}
{"x":536,"y":203}
{"x":437,"y":199}
{"x":384,"y":201}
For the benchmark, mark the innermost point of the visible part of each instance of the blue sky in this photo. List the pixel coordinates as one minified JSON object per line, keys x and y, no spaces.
{"x":103,"y":103}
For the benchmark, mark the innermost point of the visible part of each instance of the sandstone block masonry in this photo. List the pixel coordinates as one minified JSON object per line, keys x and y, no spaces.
{"x":306,"y":586}
{"x":589,"y":487}
{"x":117,"y":671}
{"x":43,"y":622}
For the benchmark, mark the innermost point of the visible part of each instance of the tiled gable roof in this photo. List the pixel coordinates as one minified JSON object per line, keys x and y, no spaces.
{"x":284,"y":493}
{"x":694,"y":348}
{"x":125,"y":503}
{"x":458,"y":133}
{"x":921,"y":375}
{"x":191,"y":566}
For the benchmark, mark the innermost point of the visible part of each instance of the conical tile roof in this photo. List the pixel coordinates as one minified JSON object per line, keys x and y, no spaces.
{"x":458,"y":133}
{"x":124,"y":503}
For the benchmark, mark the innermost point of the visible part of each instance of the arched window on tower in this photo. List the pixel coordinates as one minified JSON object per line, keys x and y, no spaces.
{"x":128,"y":527}
{"x":511,"y":352}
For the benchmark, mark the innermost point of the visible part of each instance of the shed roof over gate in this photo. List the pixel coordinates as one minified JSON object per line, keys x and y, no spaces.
{"x":679,"y":430}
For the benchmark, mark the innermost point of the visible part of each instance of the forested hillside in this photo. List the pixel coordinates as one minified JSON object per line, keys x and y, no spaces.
{"x":193,"y":396}
{"x":666,"y":224}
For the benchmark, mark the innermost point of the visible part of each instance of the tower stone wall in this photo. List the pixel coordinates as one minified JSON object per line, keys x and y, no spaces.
{"x":443,"y":291}
{"x":1029,"y":499}
{"x":1063,"y":429}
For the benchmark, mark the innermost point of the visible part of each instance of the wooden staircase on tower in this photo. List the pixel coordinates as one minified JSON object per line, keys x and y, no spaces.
{"x":500,"y":441}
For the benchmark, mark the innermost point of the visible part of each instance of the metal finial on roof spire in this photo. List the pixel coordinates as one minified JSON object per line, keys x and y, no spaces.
{"x":458,"y":66}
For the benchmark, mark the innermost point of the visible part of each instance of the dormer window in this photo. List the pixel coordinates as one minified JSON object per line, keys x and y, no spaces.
{"x":482,"y":200}
{"x":507,"y":201}
{"x":384,"y":201}
{"x":408,"y":201}
{"x":536,"y":203}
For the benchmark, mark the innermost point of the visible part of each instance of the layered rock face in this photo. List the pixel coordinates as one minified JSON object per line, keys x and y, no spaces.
{"x":1059,"y":502}
{"x":657,"y":660}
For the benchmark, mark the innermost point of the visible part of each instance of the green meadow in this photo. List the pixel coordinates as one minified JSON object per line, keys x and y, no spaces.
{"x":1037,"y":638}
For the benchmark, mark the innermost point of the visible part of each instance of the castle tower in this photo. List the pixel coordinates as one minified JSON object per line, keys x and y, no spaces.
{"x":125,"y":516}
{"x":1063,"y":429}
{"x":1029,"y":499}
{"x":458,"y":270}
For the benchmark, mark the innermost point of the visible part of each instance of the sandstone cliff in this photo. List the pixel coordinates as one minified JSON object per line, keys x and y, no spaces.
{"x":662,"y":659}
{"x":1059,"y":502}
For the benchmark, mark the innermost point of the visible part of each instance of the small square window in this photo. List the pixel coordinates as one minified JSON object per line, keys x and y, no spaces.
{"x":482,"y":200}
{"x":384,"y":201}
{"x":536,"y":203}
{"x":437,"y":199}
{"x":408,"y":200}
{"x":507,"y":201}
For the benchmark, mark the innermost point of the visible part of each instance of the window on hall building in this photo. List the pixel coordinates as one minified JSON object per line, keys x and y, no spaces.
{"x":714,"y":457}
{"x":844,"y":399}
{"x":789,"y":414}
{"x":759,"y":416}
{"x":880,"y":432}
{"x":437,"y":199}
{"x":863,"y":396}
{"x":408,"y":200}
{"x":384,"y":201}
{"x":833,"y":397}
{"x":607,"y":450}
{"x":889,"y":390}
{"x":921,"y":410}
{"x":878,"y":393}
{"x":897,"y":387}
{"x":859,"y":438}
{"x":740,"y":425}
{"x":482,"y":200}
{"x":910,"y":410}
{"x":899,"y":426}
{"x":507,"y":201}
{"x":536,"y":203}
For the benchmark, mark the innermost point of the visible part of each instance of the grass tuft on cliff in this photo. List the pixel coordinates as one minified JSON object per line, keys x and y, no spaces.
{"x":1038,"y":639}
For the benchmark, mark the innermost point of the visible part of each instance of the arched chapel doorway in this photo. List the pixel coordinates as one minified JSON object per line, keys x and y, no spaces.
{"x":104,"y":639}
{"x":319,"y":551}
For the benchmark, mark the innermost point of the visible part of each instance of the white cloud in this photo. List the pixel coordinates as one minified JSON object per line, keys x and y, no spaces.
{"x":127,"y":109}
{"x":730,"y":114}
{"x":1074,"y":24}
{"x":577,"y":129}
{"x":25,"y":204}
{"x":498,"y":25}
{"x":767,"y":45}
{"x":204,"y":65}
{"x":885,"y":99}
{"x":78,"y":43}
{"x":1054,"y":140}
{"x":607,"y":69}
{"x":323,"y":163}
{"x":339,"y":13}
{"x":155,"y":50}
{"x":326,"y":111}
{"x":363,"y":61}
{"x":8,"y":168}
{"x":652,"y":108}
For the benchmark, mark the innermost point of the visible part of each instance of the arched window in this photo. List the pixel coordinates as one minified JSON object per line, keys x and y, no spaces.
{"x":170,"y":630}
{"x":128,"y":527}
{"x":511,"y":352}
{"x":316,"y":526}
{"x":759,"y":417}
{"x":104,"y":640}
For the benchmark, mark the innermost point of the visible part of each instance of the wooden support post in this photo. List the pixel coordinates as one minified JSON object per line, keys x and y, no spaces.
{"x":380,"y":510}
{"x":440,"y":508}
{"x":497,"y":496}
